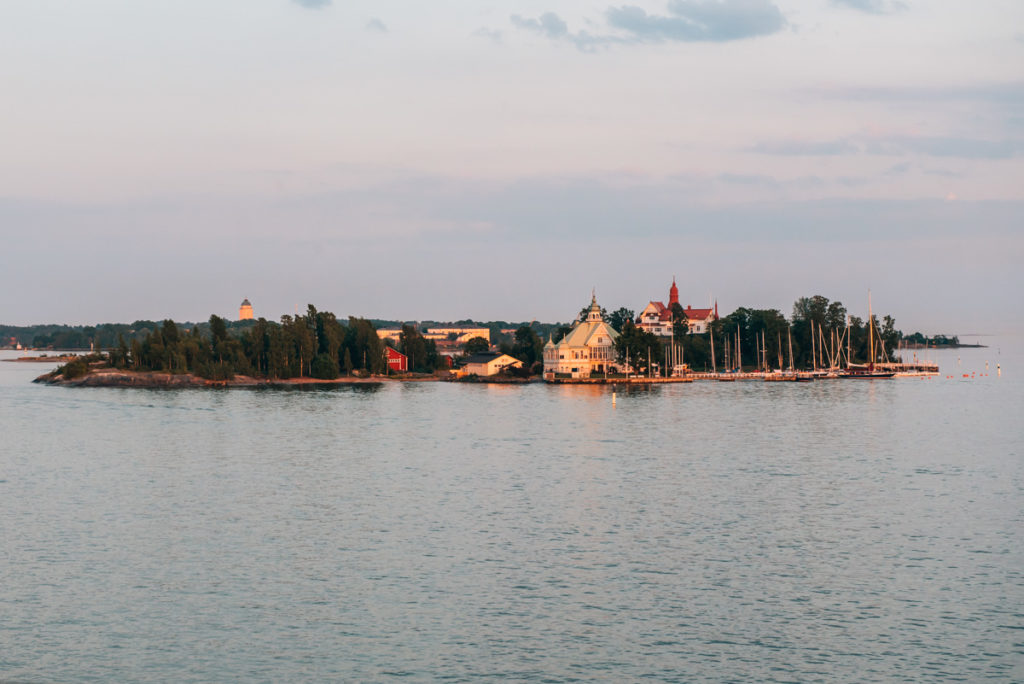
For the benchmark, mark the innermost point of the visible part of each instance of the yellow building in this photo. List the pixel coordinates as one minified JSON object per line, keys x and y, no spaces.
{"x":587,"y":351}
{"x":489,"y":363}
{"x":245,"y":311}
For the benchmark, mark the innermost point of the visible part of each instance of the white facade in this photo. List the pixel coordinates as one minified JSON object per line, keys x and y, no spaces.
{"x":588,"y":349}
{"x":486,"y":364}
{"x":463,"y":335}
{"x":656,"y":319}
{"x":700,"y":320}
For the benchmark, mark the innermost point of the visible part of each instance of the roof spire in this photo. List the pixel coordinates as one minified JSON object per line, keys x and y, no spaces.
{"x":595,"y":310}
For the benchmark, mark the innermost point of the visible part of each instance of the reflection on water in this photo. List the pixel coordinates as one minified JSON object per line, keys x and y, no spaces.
{"x":708,"y":531}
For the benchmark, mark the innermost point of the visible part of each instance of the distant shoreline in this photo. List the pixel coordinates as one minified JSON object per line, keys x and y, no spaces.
{"x":111,"y":377}
{"x":915,"y":347}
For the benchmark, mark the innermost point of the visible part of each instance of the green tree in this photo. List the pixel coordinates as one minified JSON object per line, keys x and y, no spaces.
{"x":564,"y":330}
{"x":680,"y":323}
{"x":74,"y":369}
{"x":365,"y":346}
{"x":324,"y":367}
{"x":835,"y":316}
{"x":638,"y":348}
{"x":413,"y":345}
{"x":527,"y":347}
{"x":122,"y":352}
{"x":811,"y":309}
{"x":618,"y":318}
{"x":218,"y":329}
{"x":475,"y":345}
{"x":303,"y":340}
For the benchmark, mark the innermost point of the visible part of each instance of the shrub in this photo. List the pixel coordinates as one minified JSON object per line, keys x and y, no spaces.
{"x":74,"y":369}
{"x":324,"y":367}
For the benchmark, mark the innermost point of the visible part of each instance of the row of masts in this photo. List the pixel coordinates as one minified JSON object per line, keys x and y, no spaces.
{"x":830,"y":351}
{"x":826,"y":349}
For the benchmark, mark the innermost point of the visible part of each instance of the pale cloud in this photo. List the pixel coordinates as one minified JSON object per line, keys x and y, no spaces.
{"x":938,"y":146}
{"x":686,"y":21}
{"x":548,"y":24}
{"x":807,"y":148}
{"x":377,"y":25}
{"x":1007,"y":93}
{"x":873,"y":6}
{"x":934,"y":146}
{"x":699,"y":20}
{"x":493,"y":35}
{"x":313,"y":4}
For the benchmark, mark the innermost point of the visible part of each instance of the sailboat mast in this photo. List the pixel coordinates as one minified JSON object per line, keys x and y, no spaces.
{"x":739,"y":352}
{"x":814,"y":353}
{"x":789,"y":336}
{"x":835,"y":346}
{"x":849,"y":359}
{"x":871,"y":336}
{"x":711,"y":334}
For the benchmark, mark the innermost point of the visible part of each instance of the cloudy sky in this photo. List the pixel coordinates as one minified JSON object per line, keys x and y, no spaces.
{"x":497,"y":160}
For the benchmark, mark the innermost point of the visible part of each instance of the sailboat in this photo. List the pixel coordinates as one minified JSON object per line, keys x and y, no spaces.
{"x":867,"y":371}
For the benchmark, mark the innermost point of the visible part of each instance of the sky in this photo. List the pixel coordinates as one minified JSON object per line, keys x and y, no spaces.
{"x":501,"y":160}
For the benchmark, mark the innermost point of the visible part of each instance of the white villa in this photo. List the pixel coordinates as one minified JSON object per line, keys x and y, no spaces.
{"x":588,"y":349}
{"x":656,"y":318}
{"x":700,"y":320}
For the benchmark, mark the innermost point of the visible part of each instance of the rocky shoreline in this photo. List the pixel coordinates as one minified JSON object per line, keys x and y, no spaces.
{"x":111,"y":377}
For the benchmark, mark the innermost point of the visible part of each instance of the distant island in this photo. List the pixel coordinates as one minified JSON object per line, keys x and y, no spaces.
{"x":318,"y":347}
{"x":919,"y":341}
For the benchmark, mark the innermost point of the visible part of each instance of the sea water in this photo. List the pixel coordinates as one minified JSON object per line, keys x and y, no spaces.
{"x":867,"y":530}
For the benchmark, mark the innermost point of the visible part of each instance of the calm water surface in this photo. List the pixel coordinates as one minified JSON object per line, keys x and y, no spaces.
{"x":831,"y":531}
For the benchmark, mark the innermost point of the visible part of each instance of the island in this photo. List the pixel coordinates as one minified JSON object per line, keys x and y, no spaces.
{"x":661,"y":344}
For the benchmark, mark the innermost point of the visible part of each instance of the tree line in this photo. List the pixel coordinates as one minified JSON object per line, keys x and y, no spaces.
{"x":314,"y":345}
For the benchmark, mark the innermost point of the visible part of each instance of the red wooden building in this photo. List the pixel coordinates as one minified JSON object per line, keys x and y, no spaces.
{"x":397,"y":361}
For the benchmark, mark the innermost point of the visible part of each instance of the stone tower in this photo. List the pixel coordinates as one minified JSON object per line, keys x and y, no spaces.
{"x":245,"y":311}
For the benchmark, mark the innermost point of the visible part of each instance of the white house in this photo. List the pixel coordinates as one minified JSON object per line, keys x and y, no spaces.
{"x":656,"y":318}
{"x":588,"y":349}
{"x":700,"y":320}
{"x":489,"y":363}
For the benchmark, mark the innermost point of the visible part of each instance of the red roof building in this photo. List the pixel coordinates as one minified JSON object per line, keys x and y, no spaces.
{"x":701,"y":319}
{"x":397,"y":361}
{"x":657,"y":318}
